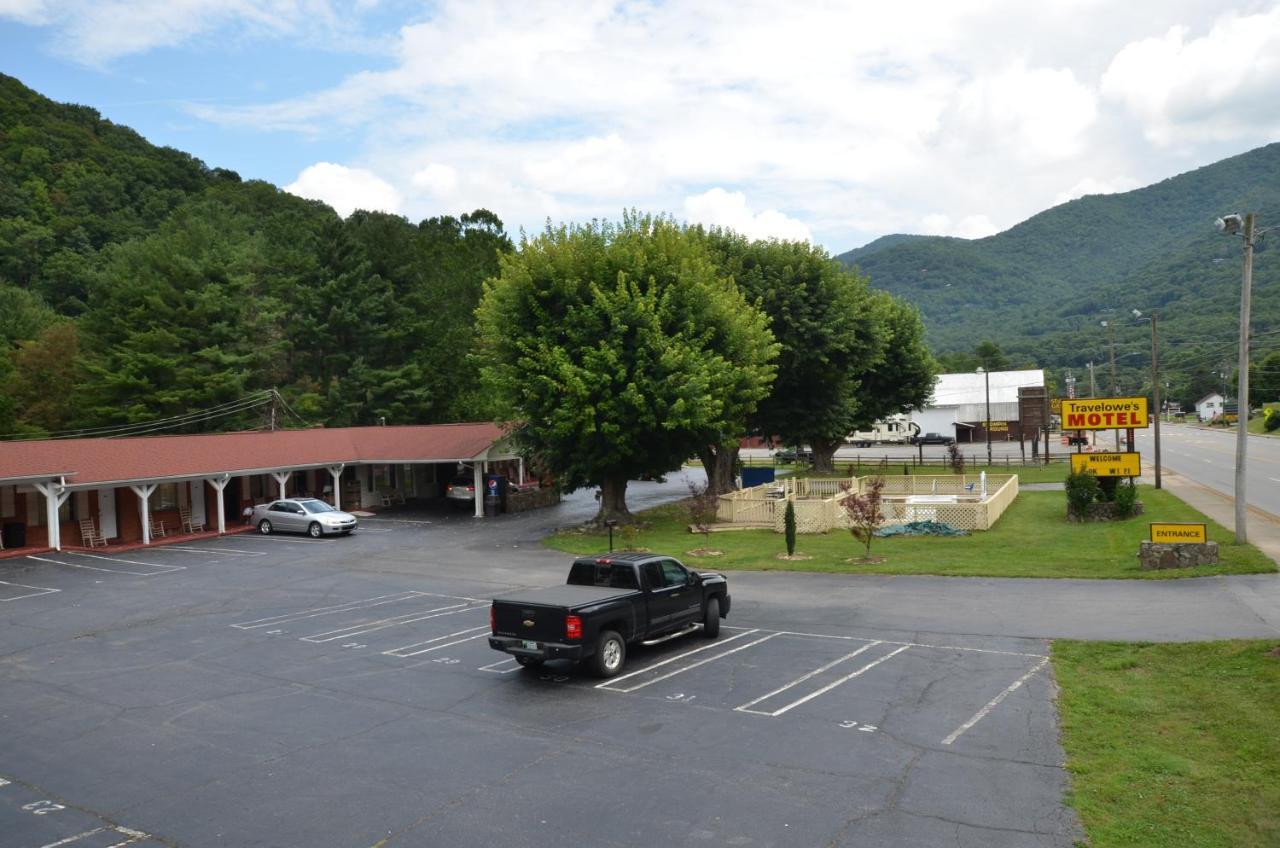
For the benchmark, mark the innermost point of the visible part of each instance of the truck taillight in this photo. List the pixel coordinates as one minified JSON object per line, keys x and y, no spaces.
{"x":493,"y":619}
{"x":572,"y":627}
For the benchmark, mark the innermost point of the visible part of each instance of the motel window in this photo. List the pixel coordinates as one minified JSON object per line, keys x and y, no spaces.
{"x":165,"y":497}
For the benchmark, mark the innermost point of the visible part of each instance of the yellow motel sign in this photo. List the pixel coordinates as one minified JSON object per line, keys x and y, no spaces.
{"x":1105,"y":414}
{"x":1108,"y":464}
{"x":1183,"y":534}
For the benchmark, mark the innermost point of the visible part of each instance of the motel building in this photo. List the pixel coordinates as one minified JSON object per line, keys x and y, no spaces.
{"x":54,"y":492}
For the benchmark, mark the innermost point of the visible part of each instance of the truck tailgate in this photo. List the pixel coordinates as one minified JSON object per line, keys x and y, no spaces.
{"x":538,"y":614}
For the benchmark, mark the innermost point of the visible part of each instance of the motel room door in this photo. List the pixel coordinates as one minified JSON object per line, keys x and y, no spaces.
{"x":107,"y":513}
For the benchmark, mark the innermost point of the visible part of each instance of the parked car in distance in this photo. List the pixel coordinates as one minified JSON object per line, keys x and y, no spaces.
{"x":460,"y":491}
{"x":793,"y":455}
{"x":302,"y":515}
{"x":934,"y":439}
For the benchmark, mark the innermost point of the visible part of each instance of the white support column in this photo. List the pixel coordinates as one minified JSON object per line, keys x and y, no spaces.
{"x":478,"y":481}
{"x":282,"y":477}
{"x":335,"y":471}
{"x":144,"y":508}
{"x":520,"y":460}
{"x":218,"y":484}
{"x":55,"y":495}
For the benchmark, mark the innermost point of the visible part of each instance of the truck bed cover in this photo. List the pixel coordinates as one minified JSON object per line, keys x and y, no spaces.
{"x":564,"y":596}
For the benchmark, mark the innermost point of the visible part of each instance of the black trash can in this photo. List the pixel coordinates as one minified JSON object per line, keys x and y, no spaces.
{"x":492,"y":505}
{"x":14,"y":534}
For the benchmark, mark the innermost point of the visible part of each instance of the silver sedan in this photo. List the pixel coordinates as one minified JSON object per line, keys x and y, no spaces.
{"x":303,"y":515}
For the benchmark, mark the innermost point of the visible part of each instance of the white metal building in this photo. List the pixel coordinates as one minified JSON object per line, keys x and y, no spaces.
{"x":960,"y":400}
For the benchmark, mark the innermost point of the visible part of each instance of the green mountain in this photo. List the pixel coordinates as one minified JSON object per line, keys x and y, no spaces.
{"x":1041,"y":288}
{"x":136,"y":283}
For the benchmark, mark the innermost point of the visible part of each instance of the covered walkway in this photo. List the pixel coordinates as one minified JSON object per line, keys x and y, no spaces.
{"x":98,"y":492}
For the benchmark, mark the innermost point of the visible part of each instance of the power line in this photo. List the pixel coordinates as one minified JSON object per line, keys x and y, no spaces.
{"x":228,"y":408}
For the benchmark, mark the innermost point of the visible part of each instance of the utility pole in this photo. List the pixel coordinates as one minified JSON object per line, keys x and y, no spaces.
{"x":1242,"y":396}
{"x":1232,"y":225}
{"x":1111,"y":342}
{"x":1093,"y":387}
{"x":1155,"y":389}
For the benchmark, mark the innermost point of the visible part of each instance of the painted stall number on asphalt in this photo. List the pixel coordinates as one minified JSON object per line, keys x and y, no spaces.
{"x":42,"y":808}
{"x":680,"y":696}
{"x":446,"y":660}
{"x":554,"y":678}
{"x":853,"y":725}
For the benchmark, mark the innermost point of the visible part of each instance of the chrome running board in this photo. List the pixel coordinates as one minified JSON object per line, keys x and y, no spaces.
{"x":690,"y":629}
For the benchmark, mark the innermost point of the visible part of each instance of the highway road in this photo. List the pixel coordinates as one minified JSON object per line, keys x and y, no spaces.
{"x":1209,"y":458}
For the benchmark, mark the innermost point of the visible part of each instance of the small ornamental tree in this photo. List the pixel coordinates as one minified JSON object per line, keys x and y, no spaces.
{"x":863,"y":510}
{"x":701,"y":508}
{"x":789,"y":527}
{"x":955,"y":458}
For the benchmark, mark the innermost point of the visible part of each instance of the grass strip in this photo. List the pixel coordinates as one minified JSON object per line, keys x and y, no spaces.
{"x":1032,"y":539}
{"x":1172,"y":744}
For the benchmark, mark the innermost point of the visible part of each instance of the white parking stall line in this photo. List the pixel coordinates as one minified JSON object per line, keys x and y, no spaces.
{"x":995,"y":702}
{"x":917,"y":644}
{"x":133,"y":836}
{"x":364,"y":530}
{"x":689,"y":667}
{"x":183,"y":549}
{"x":364,"y":521}
{"x":669,"y":660}
{"x":384,"y":623}
{"x":375,"y":601}
{"x":160,"y":569}
{"x":75,"y":838}
{"x":406,"y":651}
{"x":494,"y":667}
{"x":825,"y":689}
{"x":802,"y":679}
{"x":35,"y":592}
{"x":278,"y":540}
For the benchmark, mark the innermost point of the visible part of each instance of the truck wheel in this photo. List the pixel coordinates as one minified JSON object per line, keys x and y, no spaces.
{"x":529,"y":662}
{"x":611,"y":653}
{"x":711,"y":621}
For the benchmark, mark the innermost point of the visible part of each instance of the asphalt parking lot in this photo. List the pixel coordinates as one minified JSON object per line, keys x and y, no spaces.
{"x":282,"y":691}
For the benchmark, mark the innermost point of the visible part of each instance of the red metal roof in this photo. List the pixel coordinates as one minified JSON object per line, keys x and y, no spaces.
{"x":154,"y":457}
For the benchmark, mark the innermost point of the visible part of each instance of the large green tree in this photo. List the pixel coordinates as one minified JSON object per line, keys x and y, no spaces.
{"x":849,"y":355}
{"x":618,"y":348}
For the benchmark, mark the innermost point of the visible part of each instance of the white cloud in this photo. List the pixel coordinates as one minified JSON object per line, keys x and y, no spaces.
{"x":346,"y":189}
{"x":1092,"y":185}
{"x":436,"y":179}
{"x":857,"y":120}
{"x":96,"y":32}
{"x":968,"y":227}
{"x":1222,"y":85}
{"x":720,"y":208}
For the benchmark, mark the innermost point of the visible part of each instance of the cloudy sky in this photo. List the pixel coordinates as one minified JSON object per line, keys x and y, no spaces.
{"x":837,"y":122}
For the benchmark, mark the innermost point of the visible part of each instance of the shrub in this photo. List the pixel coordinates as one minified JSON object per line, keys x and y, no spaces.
{"x":1271,"y":419}
{"x":864,"y":512}
{"x":1107,"y":488}
{"x":1126,"y":497}
{"x":1082,"y":490}
{"x":789,"y":527}
{"x":701,"y":507}
{"x":955,"y":458}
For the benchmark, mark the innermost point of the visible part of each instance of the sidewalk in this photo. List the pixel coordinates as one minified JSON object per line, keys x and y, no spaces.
{"x":1263,"y":529}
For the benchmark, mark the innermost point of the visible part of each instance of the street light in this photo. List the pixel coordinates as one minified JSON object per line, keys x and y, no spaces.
{"x":1236,"y":224}
{"x":986,"y":378}
{"x":1155,"y":383}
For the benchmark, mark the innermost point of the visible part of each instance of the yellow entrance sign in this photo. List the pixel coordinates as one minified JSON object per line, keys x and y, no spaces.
{"x":1105,"y":414}
{"x":1108,"y":464}
{"x":1185,"y":534}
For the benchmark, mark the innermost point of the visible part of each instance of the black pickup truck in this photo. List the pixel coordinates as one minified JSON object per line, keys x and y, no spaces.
{"x":609,"y":601}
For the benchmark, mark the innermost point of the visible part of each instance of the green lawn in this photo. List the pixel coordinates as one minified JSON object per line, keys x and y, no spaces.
{"x":1171,"y":746}
{"x":1032,"y":539}
{"x":1256,"y":424}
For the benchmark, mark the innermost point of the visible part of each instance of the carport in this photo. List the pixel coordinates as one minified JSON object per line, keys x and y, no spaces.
{"x":127,"y":486}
